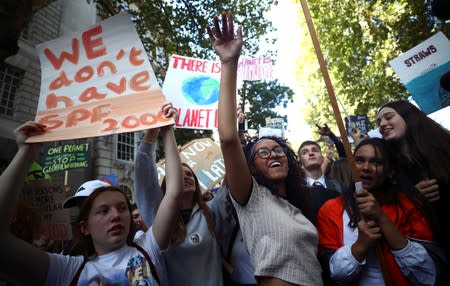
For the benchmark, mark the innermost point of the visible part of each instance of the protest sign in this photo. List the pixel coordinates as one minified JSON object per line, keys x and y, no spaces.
{"x":274,"y":127}
{"x":66,"y":157}
{"x":48,"y":198}
{"x":205,"y":158}
{"x":192,"y":85}
{"x":97,"y":82}
{"x":277,"y":123}
{"x":268,"y":131}
{"x":420,"y":70}
{"x":360,"y":122}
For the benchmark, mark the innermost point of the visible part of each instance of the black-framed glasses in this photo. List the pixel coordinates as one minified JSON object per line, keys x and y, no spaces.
{"x":265,"y":152}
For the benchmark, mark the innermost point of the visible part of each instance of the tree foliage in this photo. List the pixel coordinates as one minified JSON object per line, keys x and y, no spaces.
{"x":260,"y":99}
{"x":179,"y":27}
{"x":358,"y":39}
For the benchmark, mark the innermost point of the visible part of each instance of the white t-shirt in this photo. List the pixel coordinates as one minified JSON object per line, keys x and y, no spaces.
{"x":125,"y":266}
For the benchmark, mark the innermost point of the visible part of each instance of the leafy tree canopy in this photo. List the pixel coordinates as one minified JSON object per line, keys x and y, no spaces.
{"x":260,"y":99}
{"x":358,"y":39}
{"x":179,"y":27}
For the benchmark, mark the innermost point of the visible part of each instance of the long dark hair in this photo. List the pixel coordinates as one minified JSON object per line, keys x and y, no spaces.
{"x":395,"y":182}
{"x":295,"y":181}
{"x":84,"y":246}
{"x":428,"y":142}
{"x":180,"y":231}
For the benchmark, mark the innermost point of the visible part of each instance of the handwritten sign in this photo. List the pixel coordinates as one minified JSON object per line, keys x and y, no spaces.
{"x":97,"y":82}
{"x":357,"y":121}
{"x":205,"y":158}
{"x":65,"y":157}
{"x":255,"y":69}
{"x":48,"y":197}
{"x":192,"y":85}
{"x":420,"y":70}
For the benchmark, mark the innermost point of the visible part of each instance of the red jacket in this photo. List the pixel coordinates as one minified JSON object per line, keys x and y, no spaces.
{"x":330,"y":228}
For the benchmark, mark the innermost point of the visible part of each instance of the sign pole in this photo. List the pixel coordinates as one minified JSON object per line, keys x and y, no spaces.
{"x":66,"y":177}
{"x":329,"y":86}
{"x":340,"y":124}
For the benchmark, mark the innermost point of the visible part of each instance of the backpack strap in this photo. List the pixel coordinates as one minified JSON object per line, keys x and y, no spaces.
{"x":147,"y":257}
{"x":74,"y":281}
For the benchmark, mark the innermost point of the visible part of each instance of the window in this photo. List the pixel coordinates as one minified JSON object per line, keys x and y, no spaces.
{"x":9,"y":81}
{"x":126,"y":146}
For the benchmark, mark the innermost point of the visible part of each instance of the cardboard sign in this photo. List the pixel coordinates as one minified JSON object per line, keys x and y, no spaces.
{"x":66,"y":157}
{"x":48,"y":197}
{"x":192,"y":85}
{"x":205,"y":158}
{"x":97,"y":82}
{"x":420,"y":70}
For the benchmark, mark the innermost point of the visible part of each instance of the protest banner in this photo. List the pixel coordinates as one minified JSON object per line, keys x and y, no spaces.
{"x":48,"y":198}
{"x":192,"y":85}
{"x":97,"y":82}
{"x":205,"y":158}
{"x":420,"y":70}
{"x":66,"y":157}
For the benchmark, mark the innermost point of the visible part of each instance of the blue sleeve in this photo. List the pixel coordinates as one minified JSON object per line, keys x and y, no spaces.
{"x":148,"y":192}
{"x":344,"y":268}
{"x":416,"y":264}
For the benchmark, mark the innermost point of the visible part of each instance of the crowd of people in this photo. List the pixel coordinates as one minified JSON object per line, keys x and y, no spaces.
{"x":279,"y":218}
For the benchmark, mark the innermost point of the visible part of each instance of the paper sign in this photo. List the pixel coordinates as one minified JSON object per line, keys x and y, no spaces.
{"x":193,"y":85}
{"x":205,"y":158}
{"x":97,"y":82}
{"x":420,"y":70}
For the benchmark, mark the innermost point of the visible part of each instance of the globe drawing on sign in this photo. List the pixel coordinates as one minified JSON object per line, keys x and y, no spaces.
{"x":200,"y":90}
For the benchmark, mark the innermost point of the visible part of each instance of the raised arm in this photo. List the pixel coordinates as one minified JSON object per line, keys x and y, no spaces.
{"x":326,"y":131}
{"x":20,"y":262}
{"x":148,"y":192}
{"x":228,"y":47}
{"x":169,"y":209}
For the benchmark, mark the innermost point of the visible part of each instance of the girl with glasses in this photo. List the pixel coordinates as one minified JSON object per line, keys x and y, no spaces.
{"x":269,"y":192}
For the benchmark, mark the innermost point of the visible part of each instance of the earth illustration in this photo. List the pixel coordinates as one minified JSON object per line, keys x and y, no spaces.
{"x":201,"y":90}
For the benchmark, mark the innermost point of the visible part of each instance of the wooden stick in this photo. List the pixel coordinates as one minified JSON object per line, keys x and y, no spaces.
{"x":329,"y":86}
{"x":337,"y":114}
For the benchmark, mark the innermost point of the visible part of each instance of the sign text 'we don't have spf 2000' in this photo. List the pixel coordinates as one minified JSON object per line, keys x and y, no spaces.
{"x":97,"y":82}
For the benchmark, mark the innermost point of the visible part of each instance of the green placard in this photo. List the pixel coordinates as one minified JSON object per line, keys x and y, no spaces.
{"x":65,"y":157}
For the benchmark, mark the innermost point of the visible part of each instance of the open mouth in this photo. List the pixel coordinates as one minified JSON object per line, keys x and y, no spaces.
{"x":275,"y":165}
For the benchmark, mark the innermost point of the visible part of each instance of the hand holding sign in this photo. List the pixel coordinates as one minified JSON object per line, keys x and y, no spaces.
{"x":98,"y":82}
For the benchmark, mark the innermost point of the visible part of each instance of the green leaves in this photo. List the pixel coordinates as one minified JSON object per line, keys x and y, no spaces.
{"x":358,"y":39}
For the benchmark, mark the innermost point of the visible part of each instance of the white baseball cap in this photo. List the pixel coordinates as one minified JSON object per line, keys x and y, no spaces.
{"x":84,"y":191}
